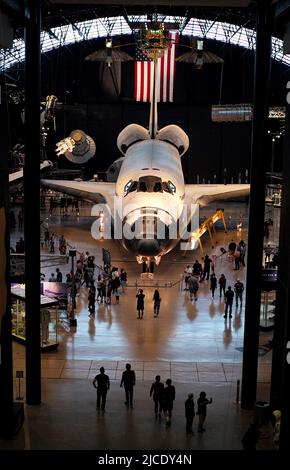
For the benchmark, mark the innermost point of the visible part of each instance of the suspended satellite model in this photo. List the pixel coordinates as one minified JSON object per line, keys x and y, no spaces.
{"x":198,"y":56}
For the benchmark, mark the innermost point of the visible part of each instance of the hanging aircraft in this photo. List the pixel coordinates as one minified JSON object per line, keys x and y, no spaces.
{"x":149,"y":197}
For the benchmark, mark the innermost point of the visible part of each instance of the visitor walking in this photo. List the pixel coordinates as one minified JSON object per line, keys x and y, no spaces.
{"x":193,"y":287}
{"x":129,"y":380}
{"x":157,"y":300}
{"x":229,"y":296}
{"x":189,"y":413}
{"x":213,"y":283}
{"x":167,"y":401}
{"x":222,"y":284}
{"x":202,"y":403}
{"x":157,"y":389}
{"x":140,"y":303}
{"x":239,"y":289}
{"x":103,"y":385}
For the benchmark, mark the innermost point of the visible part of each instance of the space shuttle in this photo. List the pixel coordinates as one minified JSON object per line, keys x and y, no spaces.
{"x":149,"y":196}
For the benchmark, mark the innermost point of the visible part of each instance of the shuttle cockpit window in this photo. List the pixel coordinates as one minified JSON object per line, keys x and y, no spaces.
{"x":157,"y":188}
{"x":150,"y":184}
{"x":165,"y":187}
{"x":130,"y":187}
{"x":142,"y":186}
{"x":172,"y":187}
{"x":153,"y":184}
{"x":168,"y":187}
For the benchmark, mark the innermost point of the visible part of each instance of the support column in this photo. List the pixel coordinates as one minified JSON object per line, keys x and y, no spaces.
{"x":257,"y":203}
{"x":32,"y":203}
{"x":280,"y":380}
{"x":6,"y":378}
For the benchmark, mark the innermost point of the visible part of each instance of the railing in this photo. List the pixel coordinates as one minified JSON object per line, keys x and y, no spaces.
{"x":158,"y":283}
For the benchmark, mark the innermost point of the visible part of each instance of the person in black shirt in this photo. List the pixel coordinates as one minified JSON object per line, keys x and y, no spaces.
{"x":213,"y":283}
{"x":157,"y":300}
{"x":239,"y":289}
{"x":129,"y":380}
{"x":123,"y":279}
{"x":189,"y":413}
{"x":58,"y":275}
{"x":197,"y":268}
{"x":206,"y":268}
{"x":232,"y":247}
{"x":103,"y":385}
{"x":222,"y":283}
{"x":157,"y":389}
{"x":92,"y":300}
{"x":140,"y":303}
{"x":167,"y":401}
{"x":229,"y":296}
{"x":202,"y":403}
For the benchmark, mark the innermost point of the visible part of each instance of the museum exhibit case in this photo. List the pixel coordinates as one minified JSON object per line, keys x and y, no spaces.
{"x":48,"y":318}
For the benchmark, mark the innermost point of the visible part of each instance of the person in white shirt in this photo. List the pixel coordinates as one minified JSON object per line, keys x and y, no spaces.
{"x":187,"y":274}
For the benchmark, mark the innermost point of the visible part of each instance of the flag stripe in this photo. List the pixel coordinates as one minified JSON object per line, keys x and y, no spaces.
{"x":158,"y":81}
{"x":165,"y":69}
{"x":138,"y":74}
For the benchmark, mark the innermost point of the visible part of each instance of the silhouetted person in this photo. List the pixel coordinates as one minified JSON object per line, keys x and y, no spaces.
{"x":103,"y":385}
{"x":20,"y":246}
{"x":202,"y":403}
{"x":157,"y":300}
{"x":239,"y":289}
{"x":197,"y":268}
{"x":232,"y":247}
{"x":129,"y":380}
{"x":193,"y":286}
{"x":92,"y":300}
{"x":123,"y":279}
{"x":250,"y":438}
{"x":213,"y":283}
{"x":58,"y":275}
{"x":206,"y":267}
{"x":229,"y":296}
{"x":222,"y":284}
{"x":167,"y":400}
{"x":140,"y":303}
{"x":189,"y":413}
{"x":157,"y":389}
{"x":242,"y":248}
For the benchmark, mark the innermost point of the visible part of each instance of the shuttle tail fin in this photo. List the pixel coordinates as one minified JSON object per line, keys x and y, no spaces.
{"x":153,"y":122}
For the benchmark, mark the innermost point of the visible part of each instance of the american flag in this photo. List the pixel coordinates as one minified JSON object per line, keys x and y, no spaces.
{"x":165,"y":74}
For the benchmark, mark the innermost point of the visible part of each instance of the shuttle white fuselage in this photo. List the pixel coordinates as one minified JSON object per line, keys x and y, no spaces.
{"x":151,"y":185}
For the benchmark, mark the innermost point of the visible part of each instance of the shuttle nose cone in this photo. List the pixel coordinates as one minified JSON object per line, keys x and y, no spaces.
{"x":147,"y":247}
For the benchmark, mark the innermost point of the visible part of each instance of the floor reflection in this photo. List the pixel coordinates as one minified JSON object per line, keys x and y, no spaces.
{"x":184,"y":328}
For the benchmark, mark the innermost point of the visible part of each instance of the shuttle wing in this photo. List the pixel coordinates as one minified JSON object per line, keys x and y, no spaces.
{"x":97,"y":192}
{"x":203,"y":194}
{"x":17,"y":176}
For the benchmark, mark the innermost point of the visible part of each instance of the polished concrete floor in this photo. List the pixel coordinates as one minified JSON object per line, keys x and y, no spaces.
{"x":189,"y":342}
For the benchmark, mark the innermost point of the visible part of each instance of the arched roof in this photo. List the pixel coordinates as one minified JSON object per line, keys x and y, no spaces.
{"x":119,"y":25}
